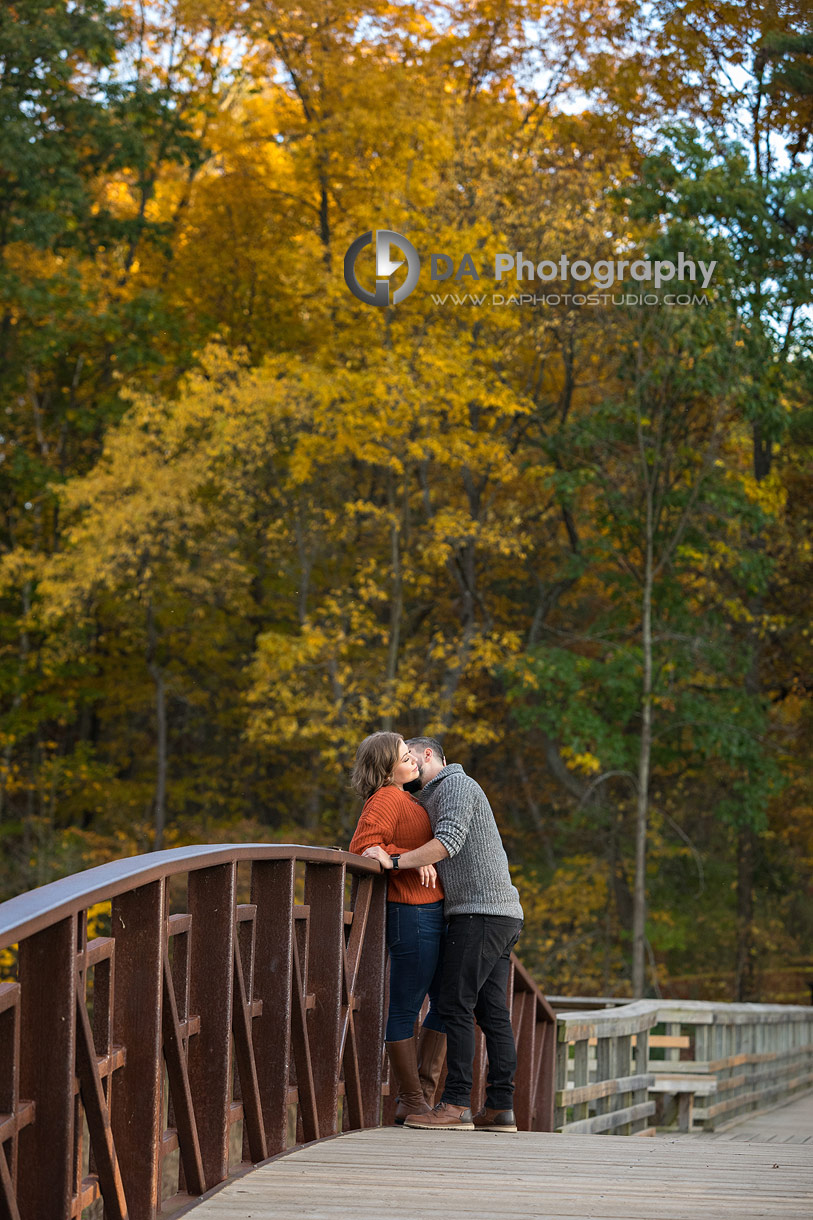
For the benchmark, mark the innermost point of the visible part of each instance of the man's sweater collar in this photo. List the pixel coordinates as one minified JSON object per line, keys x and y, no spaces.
{"x":449,"y":769}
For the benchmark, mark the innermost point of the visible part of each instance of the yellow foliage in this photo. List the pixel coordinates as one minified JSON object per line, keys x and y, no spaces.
{"x":586,"y":763}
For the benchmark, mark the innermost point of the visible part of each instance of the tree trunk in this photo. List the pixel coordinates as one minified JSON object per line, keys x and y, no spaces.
{"x":161,"y":728}
{"x":313,"y":802}
{"x":745,"y":984}
{"x":534,"y":810}
{"x":396,"y":600}
{"x":24,"y":650}
{"x":642,"y":804}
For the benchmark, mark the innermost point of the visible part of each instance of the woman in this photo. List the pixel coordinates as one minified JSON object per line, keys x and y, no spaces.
{"x":395,"y":821}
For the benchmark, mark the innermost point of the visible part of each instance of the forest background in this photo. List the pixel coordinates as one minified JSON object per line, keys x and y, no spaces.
{"x":246,"y":519}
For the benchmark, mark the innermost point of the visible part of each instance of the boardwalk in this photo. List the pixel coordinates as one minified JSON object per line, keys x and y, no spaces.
{"x":790,"y":1124}
{"x":417,"y":1175}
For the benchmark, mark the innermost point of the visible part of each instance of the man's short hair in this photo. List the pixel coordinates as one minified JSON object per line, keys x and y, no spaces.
{"x":428,"y":743}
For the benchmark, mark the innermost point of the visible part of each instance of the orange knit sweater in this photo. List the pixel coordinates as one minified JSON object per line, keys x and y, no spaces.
{"x":394,"y":820}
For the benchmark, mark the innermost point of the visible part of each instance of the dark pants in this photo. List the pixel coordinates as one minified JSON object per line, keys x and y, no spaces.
{"x":476,"y":962}
{"x":415,"y":936}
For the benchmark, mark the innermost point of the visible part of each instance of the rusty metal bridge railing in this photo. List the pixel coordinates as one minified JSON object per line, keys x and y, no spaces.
{"x":220,"y":988}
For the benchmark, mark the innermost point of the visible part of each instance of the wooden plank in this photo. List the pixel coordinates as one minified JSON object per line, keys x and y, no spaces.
{"x":246,"y":1062}
{"x":302,"y":1054}
{"x":349,"y":1047}
{"x":685,"y":1111}
{"x":369,"y":990}
{"x":8,"y":1200}
{"x":137,"y":924}
{"x":581,"y":1076}
{"x":98,"y":1117}
{"x":572,"y":1029}
{"x":733,"y":1082}
{"x":615,"y":1118}
{"x":676,"y":1083}
{"x":603,"y":1088}
{"x":672,"y":1053}
{"x":527,"y":1033}
{"x":689,"y":1012}
{"x":778,"y":1061}
{"x":682,"y":1042}
{"x":669,"y":1041}
{"x":211,"y":905}
{"x":641,"y":1125}
{"x":47,"y":973}
{"x":605,"y":1070}
{"x":324,"y":893}
{"x":545,"y":1072}
{"x":180,"y":1091}
{"x":272,"y":892}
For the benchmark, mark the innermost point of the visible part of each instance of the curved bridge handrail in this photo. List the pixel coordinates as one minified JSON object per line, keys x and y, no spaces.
{"x":213,"y":998}
{"x":37,"y":909}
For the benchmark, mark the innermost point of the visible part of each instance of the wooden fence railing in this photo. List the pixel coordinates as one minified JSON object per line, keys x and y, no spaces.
{"x":227,"y":1003}
{"x":720,"y":1062}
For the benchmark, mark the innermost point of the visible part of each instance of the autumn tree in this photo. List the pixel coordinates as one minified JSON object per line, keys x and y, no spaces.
{"x":764,"y":215}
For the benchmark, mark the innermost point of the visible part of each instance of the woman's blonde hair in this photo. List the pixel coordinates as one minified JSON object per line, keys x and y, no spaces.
{"x":376,"y":758}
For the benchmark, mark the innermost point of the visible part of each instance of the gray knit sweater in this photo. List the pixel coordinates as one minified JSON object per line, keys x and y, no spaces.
{"x":475,"y":878}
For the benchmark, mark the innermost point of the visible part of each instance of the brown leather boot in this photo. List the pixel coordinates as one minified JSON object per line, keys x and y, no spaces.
{"x":488,"y":1119}
{"x":431,"y":1054}
{"x":404,"y":1063}
{"x":445,"y":1116}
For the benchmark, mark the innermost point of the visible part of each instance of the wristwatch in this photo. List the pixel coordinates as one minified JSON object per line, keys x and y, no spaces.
{"x":395,"y":860}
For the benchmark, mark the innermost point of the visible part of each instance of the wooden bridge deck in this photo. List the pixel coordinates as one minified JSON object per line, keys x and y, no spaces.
{"x":417,"y":1175}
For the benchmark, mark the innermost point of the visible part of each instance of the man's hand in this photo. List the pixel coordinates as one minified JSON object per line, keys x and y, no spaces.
{"x":378,"y":853}
{"x":428,"y":875}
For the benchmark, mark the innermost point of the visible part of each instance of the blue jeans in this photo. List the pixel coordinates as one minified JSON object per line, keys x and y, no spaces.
{"x":415,"y":935}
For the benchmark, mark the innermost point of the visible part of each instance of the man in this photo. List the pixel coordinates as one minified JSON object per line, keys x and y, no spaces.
{"x":484,"y":920}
